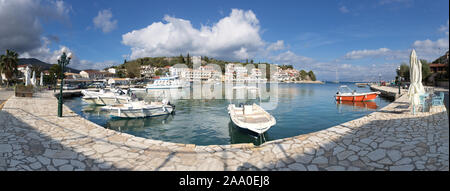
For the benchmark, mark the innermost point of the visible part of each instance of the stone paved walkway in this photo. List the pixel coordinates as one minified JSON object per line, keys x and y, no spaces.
{"x":4,"y":95}
{"x":33,"y":138}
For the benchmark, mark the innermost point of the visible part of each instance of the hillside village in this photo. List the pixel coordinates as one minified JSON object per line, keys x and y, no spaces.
{"x":144,"y":69}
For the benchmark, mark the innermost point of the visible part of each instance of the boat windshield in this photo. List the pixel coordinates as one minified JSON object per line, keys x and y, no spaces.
{"x":345,"y":89}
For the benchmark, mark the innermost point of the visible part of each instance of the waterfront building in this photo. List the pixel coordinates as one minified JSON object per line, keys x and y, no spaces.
{"x":196,"y":60}
{"x":73,"y":76}
{"x":94,"y":74}
{"x":147,"y":71}
{"x":202,"y":73}
{"x":112,"y":70}
{"x":118,"y":81}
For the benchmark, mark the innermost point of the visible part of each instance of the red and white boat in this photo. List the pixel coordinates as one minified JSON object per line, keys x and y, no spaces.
{"x":347,"y":94}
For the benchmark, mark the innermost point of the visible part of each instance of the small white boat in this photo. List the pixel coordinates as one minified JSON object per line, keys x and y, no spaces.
{"x":139,"y":109}
{"x":251,"y":117}
{"x":105,"y":98}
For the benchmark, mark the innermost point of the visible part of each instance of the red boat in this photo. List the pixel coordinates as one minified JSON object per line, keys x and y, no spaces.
{"x":347,"y":94}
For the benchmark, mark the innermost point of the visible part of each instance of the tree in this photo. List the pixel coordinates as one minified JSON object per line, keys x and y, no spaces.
{"x":133,"y":69}
{"x":8,"y":65}
{"x":303,"y":74}
{"x":251,"y":61}
{"x":312,"y":76}
{"x":158,"y":73}
{"x":426,"y":71}
{"x":181,"y":59}
{"x":188,"y":61}
{"x":206,"y":59}
{"x":55,"y":73}
{"x":404,"y":71}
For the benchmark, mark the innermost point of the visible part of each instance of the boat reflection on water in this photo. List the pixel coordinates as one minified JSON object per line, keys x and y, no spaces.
{"x":137,"y":125}
{"x":91,"y":109}
{"x":239,"y":135}
{"x":358,"y":105}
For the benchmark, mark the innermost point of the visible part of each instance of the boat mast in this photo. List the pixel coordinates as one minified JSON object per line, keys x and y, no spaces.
{"x":337,"y":75}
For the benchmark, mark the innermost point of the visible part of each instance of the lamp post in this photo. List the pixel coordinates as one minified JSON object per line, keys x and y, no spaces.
{"x":56,"y":81}
{"x":379,"y":78}
{"x":398,"y":80}
{"x":63,"y":60}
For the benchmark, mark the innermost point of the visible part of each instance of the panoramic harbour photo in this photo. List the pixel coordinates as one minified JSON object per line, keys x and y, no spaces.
{"x":224,"y":86}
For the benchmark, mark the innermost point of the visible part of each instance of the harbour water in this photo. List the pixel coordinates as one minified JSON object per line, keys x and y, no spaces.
{"x":300,"y":109}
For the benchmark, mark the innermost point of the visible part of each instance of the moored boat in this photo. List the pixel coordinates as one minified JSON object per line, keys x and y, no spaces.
{"x":140,"y":109}
{"x":251,"y":117}
{"x":105,"y":98}
{"x":346,"y":94}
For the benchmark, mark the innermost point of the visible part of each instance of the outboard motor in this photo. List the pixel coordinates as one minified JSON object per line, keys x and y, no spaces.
{"x":167,"y":102}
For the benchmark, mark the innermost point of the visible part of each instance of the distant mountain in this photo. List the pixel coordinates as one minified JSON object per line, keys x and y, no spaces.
{"x":43,"y":65}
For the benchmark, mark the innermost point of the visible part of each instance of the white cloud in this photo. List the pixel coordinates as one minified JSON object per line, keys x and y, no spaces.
{"x":386,"y":2}
{"x":444,"y":28}
{"x":21,"y":28}
{"x":86,"y":64}
{"x":290,"y":58}
{"x":46,"y":55}
{"x":358,"y":54}
{"x":429,"y":49}
{"x":279,"y":45}
{"x":343,"y":9}
{"x":233,"y":37}
{"x":104,"y":21}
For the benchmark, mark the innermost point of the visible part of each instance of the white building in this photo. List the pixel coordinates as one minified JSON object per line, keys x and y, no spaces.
{"x":147,"y":71}
{"x":118,"y":81}
{"x":196,"y":60}
{"x":112,"y":70}
{"x":174,"y":71}
{"x":240,"y":74}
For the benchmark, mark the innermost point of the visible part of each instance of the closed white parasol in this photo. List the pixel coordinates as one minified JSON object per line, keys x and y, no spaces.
{"x":416,"y":87}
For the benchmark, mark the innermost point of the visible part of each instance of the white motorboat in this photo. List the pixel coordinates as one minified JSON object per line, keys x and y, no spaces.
{"x":251,"y":117}
{"x":139,"y":109}
{"x":105,"y":98}
{"x":171,"y":82}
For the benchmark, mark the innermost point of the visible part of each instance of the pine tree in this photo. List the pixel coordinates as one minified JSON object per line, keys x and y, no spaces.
{"x":181,"y":59}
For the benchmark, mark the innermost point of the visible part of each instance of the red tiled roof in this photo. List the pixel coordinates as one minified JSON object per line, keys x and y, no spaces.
{"x":23,"y":65}
{"x":437,"y":65}
{"x":92,"y":71}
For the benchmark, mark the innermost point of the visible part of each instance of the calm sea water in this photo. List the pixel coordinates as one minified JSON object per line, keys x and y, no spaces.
{"x":300,"y":109}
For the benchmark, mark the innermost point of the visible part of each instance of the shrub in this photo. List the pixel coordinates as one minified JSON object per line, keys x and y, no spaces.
{"x":23,"y":88}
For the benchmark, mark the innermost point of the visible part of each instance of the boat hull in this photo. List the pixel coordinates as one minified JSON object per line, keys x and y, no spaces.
{"x":360,"y":104}
{"x":366,"y":97}
{"x":104,"y":101}
{"x":258,"y":128}
{"x":140,"y":113}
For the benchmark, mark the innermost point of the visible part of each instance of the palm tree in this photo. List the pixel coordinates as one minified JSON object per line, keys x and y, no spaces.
{"x":8,"y":64}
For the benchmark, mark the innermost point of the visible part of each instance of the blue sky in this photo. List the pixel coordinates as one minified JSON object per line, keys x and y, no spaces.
{"x":361,"y":39}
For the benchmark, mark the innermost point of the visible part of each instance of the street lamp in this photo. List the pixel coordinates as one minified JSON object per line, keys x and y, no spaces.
{"x":379,"y":78}
{"x":63,"y":61}
{"x":398,"y":79}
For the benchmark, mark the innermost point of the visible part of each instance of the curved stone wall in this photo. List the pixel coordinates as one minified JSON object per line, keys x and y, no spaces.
{"x":33,"y":138}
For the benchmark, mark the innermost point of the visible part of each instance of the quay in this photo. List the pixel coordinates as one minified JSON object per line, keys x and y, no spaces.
{"x":388,"y":92}
{"x":33,"y":138}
